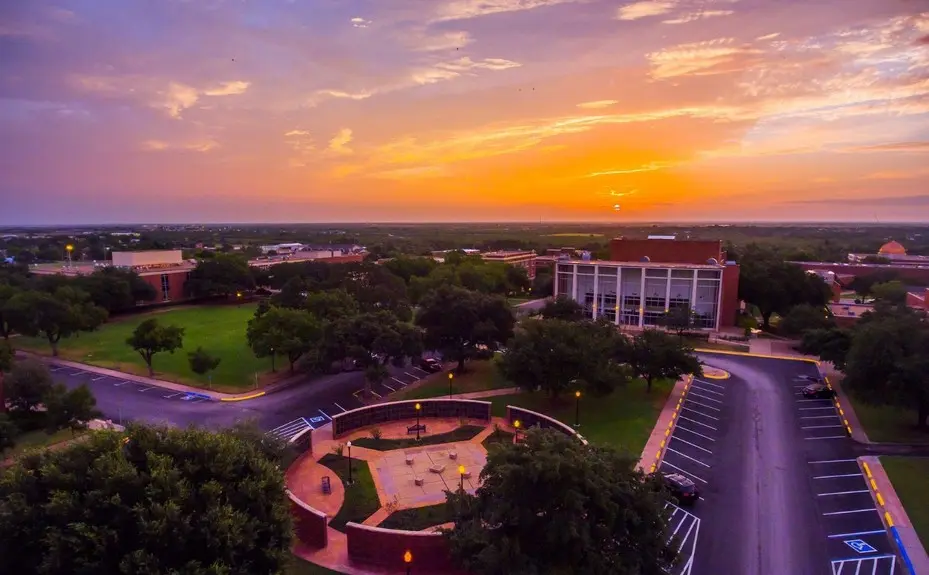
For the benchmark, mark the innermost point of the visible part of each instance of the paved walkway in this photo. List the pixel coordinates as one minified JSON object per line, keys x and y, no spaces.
{"x":654,"y":448}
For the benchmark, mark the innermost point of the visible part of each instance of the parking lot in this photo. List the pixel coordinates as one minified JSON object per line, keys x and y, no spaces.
{"x":321,"y":413}
{"x":124,"y":385}
{"x":683,"y":531}
{"x":819,"y":418}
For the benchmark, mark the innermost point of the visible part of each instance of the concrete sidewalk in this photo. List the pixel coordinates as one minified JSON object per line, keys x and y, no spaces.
{"x":653,"y":452}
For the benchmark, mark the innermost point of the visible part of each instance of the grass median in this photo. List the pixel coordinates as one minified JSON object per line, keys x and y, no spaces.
{"x":419,"y":518}
{"x":463,"y":433}
{"x":910,"y":476}
{"x":361,"y":499}
{"x":887,"y":424}
{"x":480,"y":376}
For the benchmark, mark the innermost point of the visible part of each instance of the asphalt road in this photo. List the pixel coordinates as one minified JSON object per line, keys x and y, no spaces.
{"x":782,"y":492}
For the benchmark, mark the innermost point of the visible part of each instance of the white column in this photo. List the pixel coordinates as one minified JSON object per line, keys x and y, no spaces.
{"x":642,"y":299}
{"x":667,"y":292}
{"x":596,"y":290}
{"x":719,"y":299}
{"x":619,"y":298}
{"x":693,"y":294}
{"x":555,"y":279}
{"x":574,"y":282}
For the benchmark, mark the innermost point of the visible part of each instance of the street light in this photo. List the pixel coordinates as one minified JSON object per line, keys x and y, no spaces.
{"x":516,"y":425}
{"x":349,"y":445}
{"x":418,"y":408}
{"x":408,"y":559}
{"x":577,"y":409}
{"x":451,"y":376}
{"x":69,"y":248}
{"x":461,"y":472}
{"x":272,"y":359}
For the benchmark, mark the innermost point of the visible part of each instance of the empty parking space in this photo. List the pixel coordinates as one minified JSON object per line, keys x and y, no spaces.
{"x":77,"y":376}
{"x":683,"y":532}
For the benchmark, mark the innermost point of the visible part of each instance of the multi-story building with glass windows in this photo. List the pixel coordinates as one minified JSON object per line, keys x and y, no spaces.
{"x":644,"y":279}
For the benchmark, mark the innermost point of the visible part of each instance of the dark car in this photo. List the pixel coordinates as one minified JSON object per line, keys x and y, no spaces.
{"x":818,"y":391}
{"x":682,"y":488}
{"x":431,"y":365}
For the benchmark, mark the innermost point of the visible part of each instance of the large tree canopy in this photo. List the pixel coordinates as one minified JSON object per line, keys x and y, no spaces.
{"x":654,"y":354}
{"x":188,"y":502}
{"x":56,"y":315}
{"x":551,"y":505}
{"x":223,"y":275}
{"x":775,"y":286}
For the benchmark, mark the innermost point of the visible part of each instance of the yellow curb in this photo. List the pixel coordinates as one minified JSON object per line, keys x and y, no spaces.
{"x":717,"y":374}
{"x":762,"y":355}
{"x":243,"y":397}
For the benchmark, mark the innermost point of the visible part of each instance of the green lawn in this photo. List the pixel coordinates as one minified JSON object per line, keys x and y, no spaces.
{"x":480,"y":376}
{"x":38,"y":438}
{"x":463,"y":433}
{"x":515,"y":301}
{"x":360,"y":497}
{"x":623,"y":419}
{"x":498,"y":437}
{"x":888,"y":424}
{"x":419,"y":518}
{"x":218,"y":329}
{"x":910,"y":475}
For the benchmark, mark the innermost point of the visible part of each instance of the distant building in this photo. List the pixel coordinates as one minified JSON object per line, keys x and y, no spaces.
{"x":521,"y":259}
{"x":891,"y":258}
{"x":893,"y":253}
{"x":645,"y":279}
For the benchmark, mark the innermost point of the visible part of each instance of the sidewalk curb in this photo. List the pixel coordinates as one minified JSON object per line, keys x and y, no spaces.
{"x":667,"y":420}
{"x":905,"y":537}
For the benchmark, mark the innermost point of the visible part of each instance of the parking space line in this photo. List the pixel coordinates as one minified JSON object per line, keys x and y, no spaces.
{"x":78,"y":372}
{"x":688,"y":430}
{"x":687,"y":456}
{"x":55,"y":369}
{"x":403,"y":383}
{"x":701,"y":404}
{"x":837,"y":476}
{"x":414,"y":376}
{"x":840,"y":535}
{"x":144,"y":389}
{"x":388,"y":387}
{"x":672,"y":466}
{"x":704,"y":397}
{"x":339,"y":406}
{"x":124,"y":382}
{"x":850,"y":511}
{"x":692,"y":386}
{"x":692,"y":445}
{"x":698,"y":413}
{"x":98,"y":378}
{"x":420,"y":369}
{"x":812,"y":408}
{"x":375,"y":394}
{"x":716,"y":385}
{"x":698,"y":423}
{"x":808,"y":400}
{"x":836,"y":461}
{"x":819,"y":416}
{"x":822,"y":427}
{"x":842,"y":492}
{"x":170,"y":395}
{"x":827,"y":437}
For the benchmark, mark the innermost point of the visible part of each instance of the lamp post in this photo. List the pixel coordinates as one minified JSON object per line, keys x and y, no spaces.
{"x":461,"y":472}
{"x":418,"y":408}
{"x":349,"y":445}
{"x":451,"y":376}
{"x":69,"y":248}
{"x":272,"y":360}
{"x":408,"y":559}
{"x":516,"y":425}
{"x":577,"y":409}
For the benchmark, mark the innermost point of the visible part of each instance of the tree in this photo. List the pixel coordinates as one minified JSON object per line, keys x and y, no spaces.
{"x":456,"y":321}
{"x":376,"y":289}
{"x":542,"y":283}
{"x":557,"y":356}
{"x":201,"y":362}
{"x":680,"y":320}
{"x":8,"y":433}
{"x":373,"y":340}
{"x":892,"y":292}
{"x":6,"y":294}
{"x":553,"y":505}
{"x":564,"y":308}
{"x":70,"y":408}
{"x":830,"y":345}
{"x":331,"y":305}
{"x":60,"y":315}
{"x":293,"y":293}
{"x":803,"y":318}
{"x":27,"y":385}
{"x":161,"y":501}
{"x":150,"y":338}
{"x":116,"y":290}
{"x":654,"y":354}
{"x":223,"y":275}
{"x":406,"y":268}
{"x":291,"y":332}
{"x":6,"y":364}
{"x":887,"y":363}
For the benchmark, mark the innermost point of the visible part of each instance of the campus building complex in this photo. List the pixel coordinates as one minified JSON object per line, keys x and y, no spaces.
{"x":520,"y":259}
{"x":645,"y":279}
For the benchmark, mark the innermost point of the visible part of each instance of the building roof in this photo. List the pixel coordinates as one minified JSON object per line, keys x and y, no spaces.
{"x":652,"y":265}
{"x":892,"y":248}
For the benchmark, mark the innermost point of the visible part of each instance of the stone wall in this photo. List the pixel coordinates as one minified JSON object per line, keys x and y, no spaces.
{"x":349,"y":421}
{"x":310,"y":525}
{"x":386,"y":547}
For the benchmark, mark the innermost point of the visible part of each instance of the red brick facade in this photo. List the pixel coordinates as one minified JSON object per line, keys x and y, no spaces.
{"x":310,"y":525}
{"x":667,"y":251}
{"x":386,"y":547}
{"x":176,"y":281}
{"x":918,"y":274}
{"x":729,"y":303}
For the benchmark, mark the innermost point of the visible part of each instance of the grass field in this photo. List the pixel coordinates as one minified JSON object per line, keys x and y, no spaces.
{"x":888,"y":424}
{"x":481,"y":376}
{"x":218,"y":329}
{"x":361,"y":499}
{"x":463,"y":433}
{"x":418,"y":518}
{"x":38,"y":438}
{"x":910,"y":475}
{"x":575,"y":235}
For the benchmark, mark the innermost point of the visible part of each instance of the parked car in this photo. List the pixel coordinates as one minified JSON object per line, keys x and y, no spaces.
{"x":430,"y":364}
{"x":682,"y":488}
{"x":818,"y":391}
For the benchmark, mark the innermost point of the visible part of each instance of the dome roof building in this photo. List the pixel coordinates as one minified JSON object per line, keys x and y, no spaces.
{"x":892,"y":248}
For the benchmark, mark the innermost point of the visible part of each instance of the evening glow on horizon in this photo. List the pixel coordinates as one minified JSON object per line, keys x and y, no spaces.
{"x":463,"y":110}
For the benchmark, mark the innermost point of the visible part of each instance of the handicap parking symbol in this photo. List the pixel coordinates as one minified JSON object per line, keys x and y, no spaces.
{"x":317,"y":419}
{"x":860,"y":546}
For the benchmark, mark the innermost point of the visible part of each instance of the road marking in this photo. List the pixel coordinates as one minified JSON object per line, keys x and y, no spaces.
{"x":813,"y":408}
{"x":326,"y":415}
{"x":716,"y":385}
{"x":291,"y":428}
{"x":671,"y":465}
{"x":78,"y":372}
{"x":704,"y":397}
{"x":124,"y":382}
{"x":687,"y":535}
{"x":692,"y":386}
{"x":850,"y":511}
{"x":837,"y":476}
{"x":836,"y":461}
{"x":388,"y":387}
{"x":403,"y":383}
{"x":375,"y":394}
{"x":687,"y":456}
{"x":805,"y":400}
{"x":840,"y":535}
{"x":842,"y":492}
{"x":822,"y":427}
{"x":840,"y":563}
{"x":698,"y":413}
{"x":688,"y":430}
{"x":702,"y":404}
{"x":340,"y":407}
{"x":420,"y":369}
{"x":414,"y":376}
{"x":819,"y":416}
{"x":98,"y":378}
{"x":55,"y":369}
{"x":144,"y":389}
{"x":171,"y":395}
{"x":698,"y":423}
{"x":692,"y":444}
{"x":827,"y":437}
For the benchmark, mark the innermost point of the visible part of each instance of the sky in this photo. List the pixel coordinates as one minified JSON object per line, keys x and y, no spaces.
{"x":120,"y":111}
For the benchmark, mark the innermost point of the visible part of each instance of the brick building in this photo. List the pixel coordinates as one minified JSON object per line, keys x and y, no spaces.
{"x":521,"y":259}
{"x":644,"y":279}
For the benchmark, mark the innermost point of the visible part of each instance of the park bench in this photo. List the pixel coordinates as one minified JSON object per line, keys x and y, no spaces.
{"x":327,"y":486}
{"x":414,"y":428}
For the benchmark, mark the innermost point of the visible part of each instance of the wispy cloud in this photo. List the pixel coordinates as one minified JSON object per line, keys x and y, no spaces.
{"x":466,"y":9}
{"x":596,"y":104}
{"x":644,"y":9}
{"x":195,"y":146}
{"x":228,"y":89}
{"x":871,"y":200}
{"x":424,"y":41}
{"x":700,"y":15}
{"x":358,"y":22}
{"x":173,"y":97}
{"x":894,"y":147}
{"x":649,"y":167}
{"x":339,"y":143}
{"x":698,"y":58}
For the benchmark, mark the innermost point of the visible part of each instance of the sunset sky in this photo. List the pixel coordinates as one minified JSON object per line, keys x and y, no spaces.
{"x":115,"y":111}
